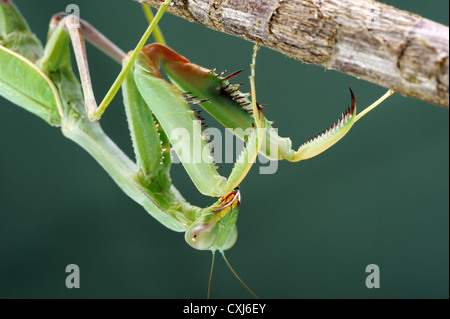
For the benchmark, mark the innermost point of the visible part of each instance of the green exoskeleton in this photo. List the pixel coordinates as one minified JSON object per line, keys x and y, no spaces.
{"x":158,"y":114}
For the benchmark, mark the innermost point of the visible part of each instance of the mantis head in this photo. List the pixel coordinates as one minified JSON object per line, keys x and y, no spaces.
{"x":216,"y":229}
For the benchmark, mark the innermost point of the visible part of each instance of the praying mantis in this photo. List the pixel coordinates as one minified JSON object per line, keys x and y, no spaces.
{"x":278,"y":208}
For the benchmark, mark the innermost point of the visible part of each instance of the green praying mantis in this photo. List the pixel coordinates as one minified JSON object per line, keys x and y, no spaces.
{"x":212,"y":228}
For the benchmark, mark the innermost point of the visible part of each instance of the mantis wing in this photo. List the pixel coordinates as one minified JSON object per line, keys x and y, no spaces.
{"x":24,"y":84}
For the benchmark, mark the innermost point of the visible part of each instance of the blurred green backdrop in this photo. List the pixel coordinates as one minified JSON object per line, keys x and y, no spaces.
{"x":309,"y":231}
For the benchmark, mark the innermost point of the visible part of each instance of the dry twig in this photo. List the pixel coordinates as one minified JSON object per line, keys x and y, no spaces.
{"x":363,"y":38}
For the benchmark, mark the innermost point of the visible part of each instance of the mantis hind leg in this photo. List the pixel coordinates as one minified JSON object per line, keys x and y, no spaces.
{"x":75,"y":28}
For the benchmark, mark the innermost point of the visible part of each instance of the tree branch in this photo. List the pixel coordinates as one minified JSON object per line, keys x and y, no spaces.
{"x":366,"y":39}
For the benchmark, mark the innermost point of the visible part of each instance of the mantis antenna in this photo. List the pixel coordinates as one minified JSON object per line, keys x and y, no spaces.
{"x":232,"y":270}
{"x":211,"y":272}
{"x":241,"y":281}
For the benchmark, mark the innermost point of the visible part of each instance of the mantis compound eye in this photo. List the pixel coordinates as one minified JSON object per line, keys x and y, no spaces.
{"x":202,"y":233}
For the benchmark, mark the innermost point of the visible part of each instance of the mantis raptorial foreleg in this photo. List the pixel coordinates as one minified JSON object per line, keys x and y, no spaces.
{"x":232,"y":108}
{"x":178,"y":120}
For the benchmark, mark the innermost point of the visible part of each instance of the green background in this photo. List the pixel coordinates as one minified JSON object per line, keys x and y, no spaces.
{"x":309,"y":231}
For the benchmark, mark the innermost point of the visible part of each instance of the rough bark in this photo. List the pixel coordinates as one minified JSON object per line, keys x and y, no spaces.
{"x":366,"y":39}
